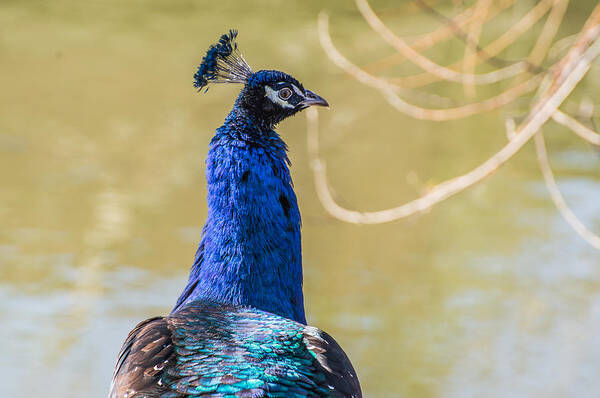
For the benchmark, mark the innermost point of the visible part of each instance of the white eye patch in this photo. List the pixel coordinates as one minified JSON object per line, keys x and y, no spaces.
{"x":297,"y":90}
{"x":272,"y":95}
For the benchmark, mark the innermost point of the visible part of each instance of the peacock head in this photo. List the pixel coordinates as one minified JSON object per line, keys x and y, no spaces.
{"x":269,"y":96}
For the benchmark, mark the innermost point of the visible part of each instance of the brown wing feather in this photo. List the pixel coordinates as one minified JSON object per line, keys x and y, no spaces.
{"x":333,"y":361}
{"x":147,"y":350}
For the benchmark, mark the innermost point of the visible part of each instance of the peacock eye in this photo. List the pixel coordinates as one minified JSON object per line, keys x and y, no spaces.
{"x":285,"y":93}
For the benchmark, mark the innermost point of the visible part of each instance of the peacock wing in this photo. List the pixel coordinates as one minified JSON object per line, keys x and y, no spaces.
{"x":333,"y":362}
{"x":210,"y":349}
{"x":147,"y":351}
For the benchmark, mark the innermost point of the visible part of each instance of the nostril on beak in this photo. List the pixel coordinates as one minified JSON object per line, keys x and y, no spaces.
{"x":314,"y":99}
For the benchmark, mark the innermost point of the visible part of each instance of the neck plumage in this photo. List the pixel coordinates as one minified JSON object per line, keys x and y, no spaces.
{"x":250,"y":250}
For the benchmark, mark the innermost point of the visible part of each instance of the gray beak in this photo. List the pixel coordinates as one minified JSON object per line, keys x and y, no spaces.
{"x":313,"y":99}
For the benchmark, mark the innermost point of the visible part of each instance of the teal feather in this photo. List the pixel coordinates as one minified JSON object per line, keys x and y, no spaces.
{"x":208,"y":349}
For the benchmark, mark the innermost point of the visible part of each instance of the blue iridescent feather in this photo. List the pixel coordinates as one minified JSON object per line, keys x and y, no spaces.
{"x":238,"y":328}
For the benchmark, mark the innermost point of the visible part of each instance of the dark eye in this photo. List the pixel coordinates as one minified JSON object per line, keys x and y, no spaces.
{"x":285,"y":93}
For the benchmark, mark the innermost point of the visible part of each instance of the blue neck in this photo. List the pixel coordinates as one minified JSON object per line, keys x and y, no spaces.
{"x":250,"y":250}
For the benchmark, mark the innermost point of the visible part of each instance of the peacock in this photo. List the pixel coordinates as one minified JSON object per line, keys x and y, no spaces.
{"x":239,"y":328}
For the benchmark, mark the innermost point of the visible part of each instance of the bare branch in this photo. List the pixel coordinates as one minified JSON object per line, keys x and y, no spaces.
{"x":584,"y":132}
{"x":492,"y":49}
{"x":549,"y":31}
{"x":558,"y":199}
{"x":509,"y":126}
{"x":571,"y":70}
{"x":455,"y":29}
{"x":451,"y":27}
{"x":460,"y":112}
{"x":415,"y":111}
{"x":435,"y":69}
{"x":480,"y":13}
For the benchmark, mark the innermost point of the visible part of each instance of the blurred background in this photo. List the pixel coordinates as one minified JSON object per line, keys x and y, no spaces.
{"x":102,"y":199}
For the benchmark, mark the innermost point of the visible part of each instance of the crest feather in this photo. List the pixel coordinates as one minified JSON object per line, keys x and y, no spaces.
{"x":223,"y":63}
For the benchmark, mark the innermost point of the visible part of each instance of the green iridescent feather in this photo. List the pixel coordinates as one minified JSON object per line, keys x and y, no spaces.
{"x":208,"y":349}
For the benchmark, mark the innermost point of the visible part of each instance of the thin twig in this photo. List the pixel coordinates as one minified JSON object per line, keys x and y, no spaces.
{"x":460,"y":112}
{"x":428,"y":65}
{"x":544,"y":41}
{"x":584,"y":132}
{"x":456,"y":30}
{"x":415,"y":111}
{"x":451,"y":27}
{"x":492,"y":49}
{"x":472,"y":39}
{"x":557,"y":198}
{"x":547,"y":35}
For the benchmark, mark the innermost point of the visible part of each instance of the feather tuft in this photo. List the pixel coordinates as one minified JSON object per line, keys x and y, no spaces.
{"x":223,"y":63}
